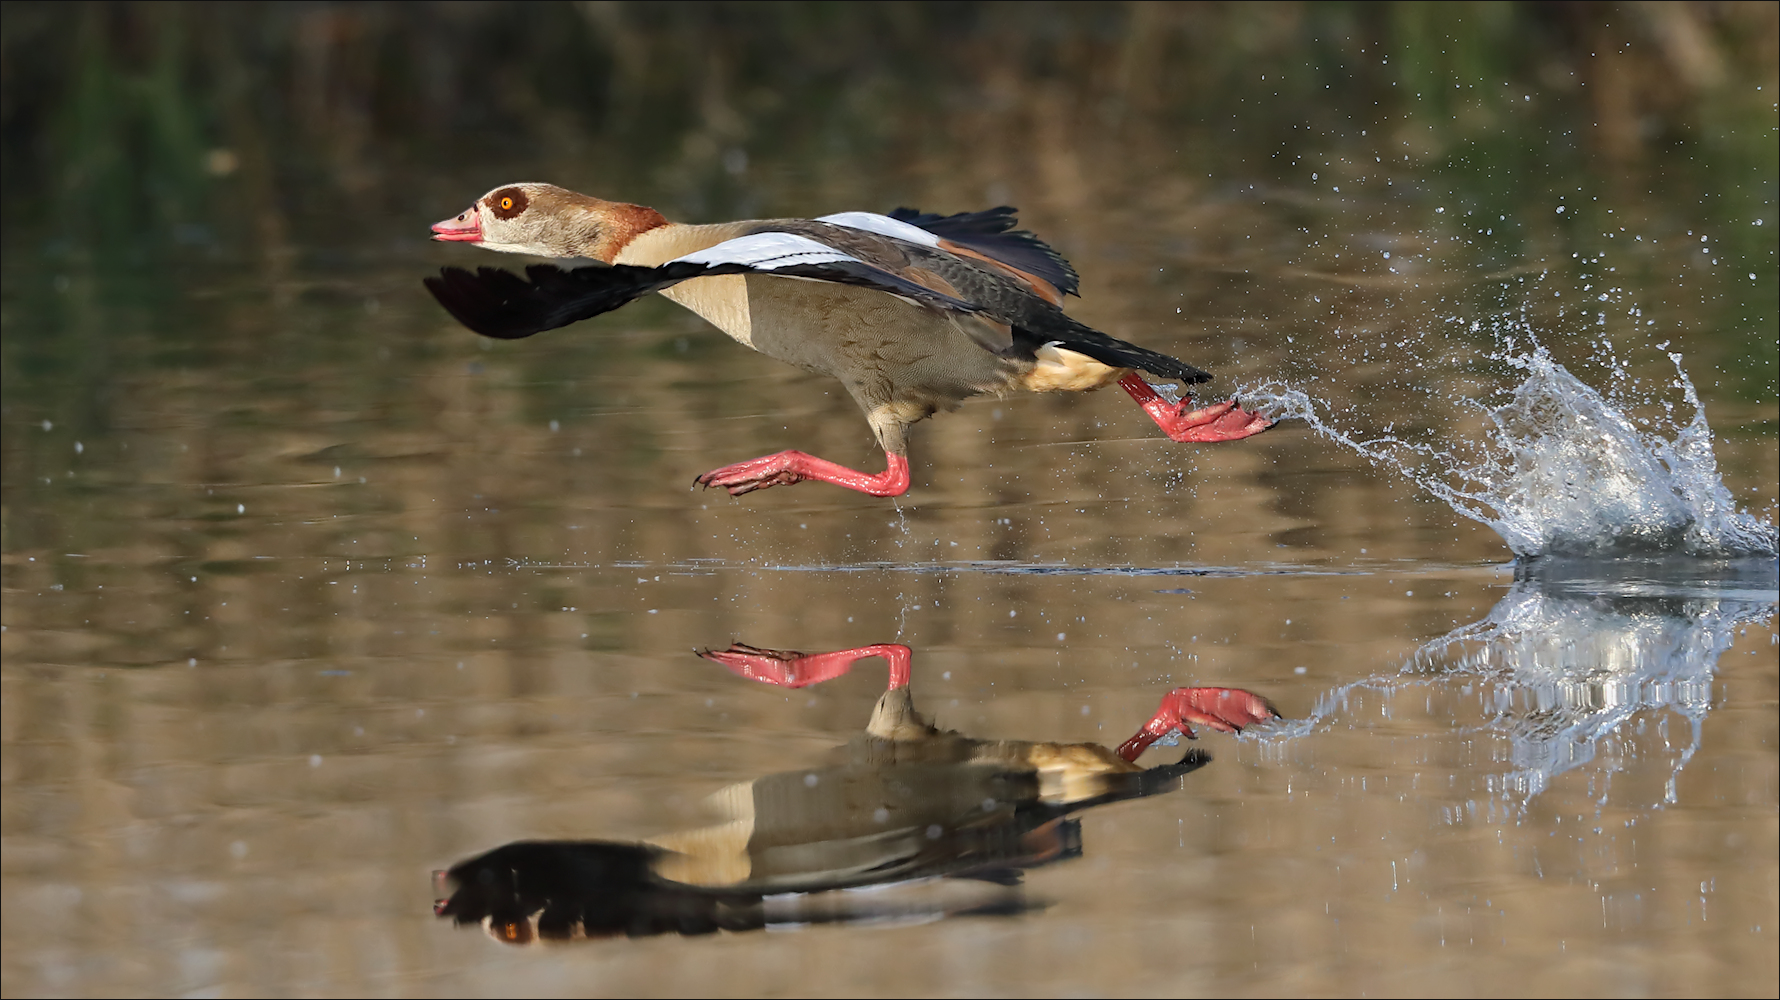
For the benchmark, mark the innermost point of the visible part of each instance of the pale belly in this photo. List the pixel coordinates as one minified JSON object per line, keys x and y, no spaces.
{"x":901,"y":362}
{"x":861,"y":336}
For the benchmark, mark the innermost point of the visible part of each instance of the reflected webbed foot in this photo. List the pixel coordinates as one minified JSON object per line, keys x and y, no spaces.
{"x":1227,"y":710}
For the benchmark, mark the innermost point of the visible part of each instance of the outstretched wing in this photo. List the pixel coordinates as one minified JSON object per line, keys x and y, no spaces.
{"x":497,"y":303}
{"x":873,"y":251}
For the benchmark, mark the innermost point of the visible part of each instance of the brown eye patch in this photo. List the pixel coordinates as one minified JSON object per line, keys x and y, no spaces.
{"x":507,"y":202}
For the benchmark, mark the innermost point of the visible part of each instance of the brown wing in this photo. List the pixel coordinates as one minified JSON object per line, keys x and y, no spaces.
{"x":991,"y":234}
{"x":1039,"y":286}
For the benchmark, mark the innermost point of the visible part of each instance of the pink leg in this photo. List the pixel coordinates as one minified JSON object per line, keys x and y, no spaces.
{"x":1226,"y":710}
{"x":788,"y":668}
{"x":789,"y":467}
{"x":1217,"y":422}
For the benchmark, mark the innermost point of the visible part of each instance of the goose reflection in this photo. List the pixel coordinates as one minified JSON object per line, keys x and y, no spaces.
{"x":1575,"y":652}
{"x":904,"y":821}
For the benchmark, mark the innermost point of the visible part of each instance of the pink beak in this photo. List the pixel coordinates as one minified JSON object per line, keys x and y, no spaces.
{"x":466,"y":228}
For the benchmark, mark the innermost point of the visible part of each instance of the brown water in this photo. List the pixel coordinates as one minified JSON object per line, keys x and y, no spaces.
{"x":310,"y":592}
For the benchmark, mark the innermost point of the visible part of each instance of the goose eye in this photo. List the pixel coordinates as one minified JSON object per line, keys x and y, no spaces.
{"x":507,"y":203}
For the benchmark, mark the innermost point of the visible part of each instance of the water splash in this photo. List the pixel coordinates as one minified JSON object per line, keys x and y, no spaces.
{"x":1562,"y":470}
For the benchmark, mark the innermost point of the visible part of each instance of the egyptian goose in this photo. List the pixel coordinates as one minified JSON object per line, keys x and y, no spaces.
{"x":914,"y":313}
{"x":899,"y":803}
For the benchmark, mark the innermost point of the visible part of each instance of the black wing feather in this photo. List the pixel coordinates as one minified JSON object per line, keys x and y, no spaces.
{"x":991,"y":232}
{"x":500,"y":304}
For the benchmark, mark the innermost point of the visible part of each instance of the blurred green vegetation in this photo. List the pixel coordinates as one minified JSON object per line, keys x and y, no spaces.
{"x":132,"y":125}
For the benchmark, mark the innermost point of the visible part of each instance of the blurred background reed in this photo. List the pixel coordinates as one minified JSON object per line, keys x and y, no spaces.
{"x":132,"y":128}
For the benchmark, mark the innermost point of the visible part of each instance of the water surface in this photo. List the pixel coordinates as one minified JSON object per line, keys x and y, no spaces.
{"x":310,"y":592}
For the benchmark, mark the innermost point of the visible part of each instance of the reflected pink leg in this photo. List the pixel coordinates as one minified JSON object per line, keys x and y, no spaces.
{"x":1227,"y":710}
{"x":1217,"y":422}
{"x":789,"y":467}
{"x":441,"y":891}
{"x":791,"y":669}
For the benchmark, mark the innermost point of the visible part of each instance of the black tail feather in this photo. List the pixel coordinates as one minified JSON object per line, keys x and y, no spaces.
{"x":1108,"y":350}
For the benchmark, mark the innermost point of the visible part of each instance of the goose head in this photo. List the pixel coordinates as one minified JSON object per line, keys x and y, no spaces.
{"x":548,"y":221}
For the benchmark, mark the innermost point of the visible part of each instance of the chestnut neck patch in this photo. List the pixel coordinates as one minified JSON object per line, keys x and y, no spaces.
{"x":507,"y":203}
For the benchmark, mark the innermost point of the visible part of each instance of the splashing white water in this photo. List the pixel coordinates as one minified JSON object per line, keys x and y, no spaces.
{"x":1562,"y":470}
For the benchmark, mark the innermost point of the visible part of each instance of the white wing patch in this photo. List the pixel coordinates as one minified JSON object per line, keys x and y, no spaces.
{"x":767,"y":252}
{"x":883,"y":225}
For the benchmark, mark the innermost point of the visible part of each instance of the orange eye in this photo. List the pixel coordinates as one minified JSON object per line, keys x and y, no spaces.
{"x":507,"y":204}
